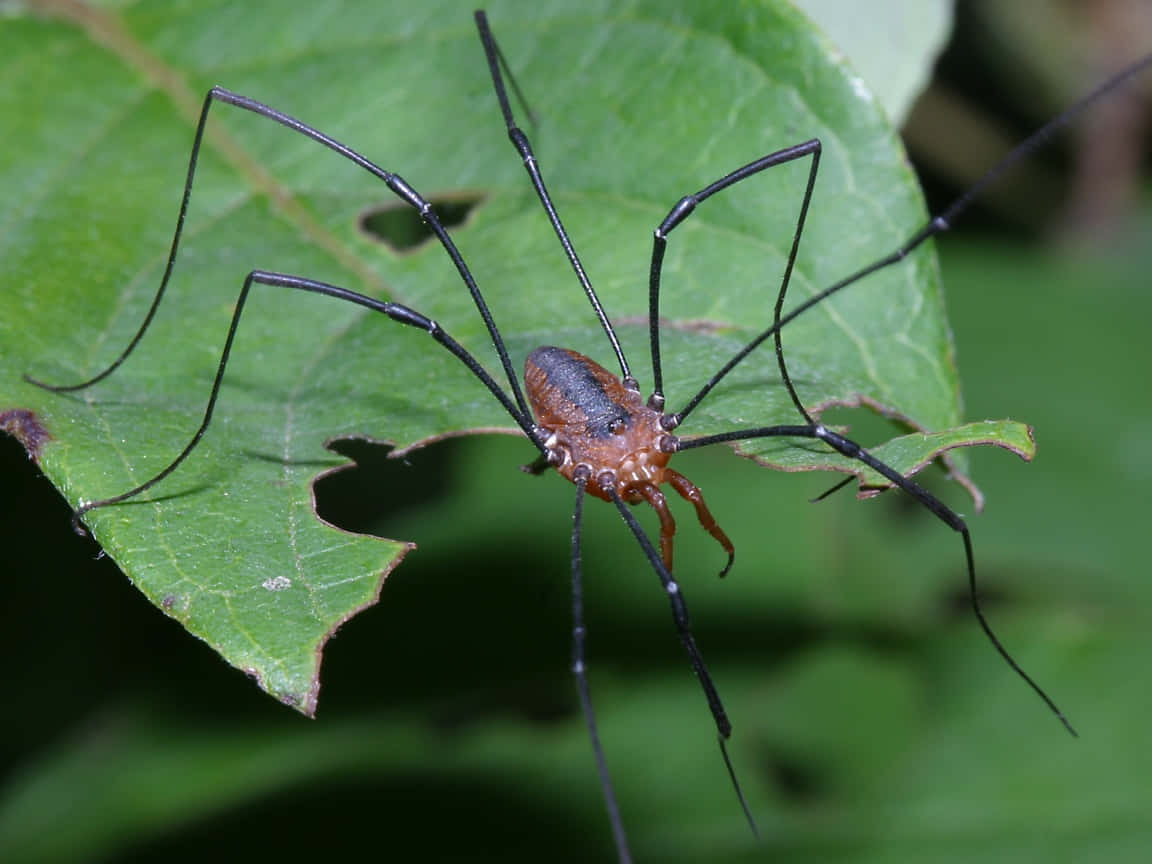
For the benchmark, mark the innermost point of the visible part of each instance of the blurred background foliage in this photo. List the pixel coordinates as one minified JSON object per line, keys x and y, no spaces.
{"x":873,"y":722}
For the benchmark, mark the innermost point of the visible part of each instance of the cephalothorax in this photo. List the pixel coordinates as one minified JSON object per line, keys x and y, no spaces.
{"x":596,"y":427}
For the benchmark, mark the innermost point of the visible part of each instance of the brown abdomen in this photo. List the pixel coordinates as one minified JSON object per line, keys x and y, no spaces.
{"x":567,"y":388}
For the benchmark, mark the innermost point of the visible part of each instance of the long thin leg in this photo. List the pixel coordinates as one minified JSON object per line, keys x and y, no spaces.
{"x":691,"y":493}
{"x":393,"y":181}
{"x":854,"y":451}
{"x":835,"y":488}
{"x":393,"y":310}
{"x":937,"y":507}
{"x":850,"y":448}
{"x":936,"y":225}
{"x":684,"y":629}
{"x":679,"y":613}
{"x":678,"y":214}
{"x":580,"y":671}
{"x":524,"y":148}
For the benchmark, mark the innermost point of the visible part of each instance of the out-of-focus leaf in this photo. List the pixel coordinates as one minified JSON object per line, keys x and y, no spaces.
{"x":892,"y":45}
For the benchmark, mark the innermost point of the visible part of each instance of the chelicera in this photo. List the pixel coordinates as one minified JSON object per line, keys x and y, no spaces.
{"x":593,"y":426}
{"x":598,"y":428}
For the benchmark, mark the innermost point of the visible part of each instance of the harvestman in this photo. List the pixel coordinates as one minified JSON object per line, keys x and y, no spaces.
{"x":595,"y":428}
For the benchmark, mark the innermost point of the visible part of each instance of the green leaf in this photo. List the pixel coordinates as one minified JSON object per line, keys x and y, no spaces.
{"x":638,"y":104}
{"x":908,"y":454}
{"x":892,"y":45}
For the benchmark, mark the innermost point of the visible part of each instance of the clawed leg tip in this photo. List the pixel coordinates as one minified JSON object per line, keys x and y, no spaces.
{"x":77,"y":516}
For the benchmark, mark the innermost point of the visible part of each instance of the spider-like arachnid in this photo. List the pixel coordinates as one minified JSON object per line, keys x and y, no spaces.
{"x":598,"y":429}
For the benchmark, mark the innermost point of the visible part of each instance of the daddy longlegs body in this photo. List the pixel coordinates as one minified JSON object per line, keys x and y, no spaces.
{"x":597,"y":429}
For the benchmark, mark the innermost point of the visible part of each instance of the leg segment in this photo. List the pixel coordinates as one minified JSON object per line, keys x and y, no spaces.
{"x":678,"y":214}
{"x":679,"y":612}
{"x":394,"y":182}
{"x":937,"y":507}
{"x":691,"y":493}
{"x":684,"y":628}
{"x":524,"y":148}
{"x":579,"y":670}
{"x":936,"y":225}
{"x":393,"y":310}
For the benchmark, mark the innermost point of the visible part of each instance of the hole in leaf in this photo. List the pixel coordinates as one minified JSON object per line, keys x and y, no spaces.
{"x":360,"y":498}
{"x":400,"y":227}
{"x":487,"y":553}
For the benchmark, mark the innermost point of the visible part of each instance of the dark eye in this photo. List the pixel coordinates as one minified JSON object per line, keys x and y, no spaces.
{"x":616,"y":427}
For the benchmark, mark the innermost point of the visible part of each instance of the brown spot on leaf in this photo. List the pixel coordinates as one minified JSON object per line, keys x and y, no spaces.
{"x":685,"y":325}
{"x":24,"y":426}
